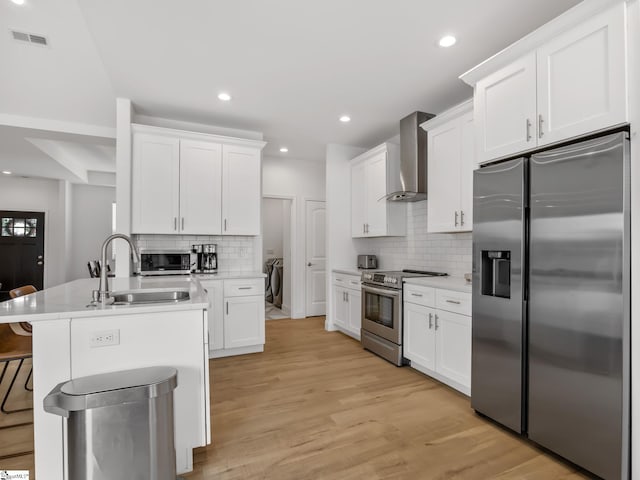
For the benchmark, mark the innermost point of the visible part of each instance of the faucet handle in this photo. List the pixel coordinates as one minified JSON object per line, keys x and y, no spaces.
{"x":95,"y":296}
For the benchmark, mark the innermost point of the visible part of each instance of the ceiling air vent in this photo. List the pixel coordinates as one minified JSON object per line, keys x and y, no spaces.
{"x":30,"y":38}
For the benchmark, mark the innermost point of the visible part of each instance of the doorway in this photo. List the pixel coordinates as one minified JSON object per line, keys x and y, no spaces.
{"x":276,"y":254}
{"x":21,"y":250}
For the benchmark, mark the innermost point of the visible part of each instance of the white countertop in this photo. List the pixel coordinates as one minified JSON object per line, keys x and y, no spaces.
{"x":73,"y":299}
{"x":353,"y":270}
{"x":457,"y":284}
{"x":229,"y":275}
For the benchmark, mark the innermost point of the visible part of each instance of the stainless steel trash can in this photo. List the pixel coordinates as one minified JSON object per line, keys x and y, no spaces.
{"x":119,"y":424}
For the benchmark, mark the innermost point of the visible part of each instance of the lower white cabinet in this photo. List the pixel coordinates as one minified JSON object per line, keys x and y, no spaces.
{"x":236,"y":316}
{"x":437,"y":341}
{"x":347,"y":303}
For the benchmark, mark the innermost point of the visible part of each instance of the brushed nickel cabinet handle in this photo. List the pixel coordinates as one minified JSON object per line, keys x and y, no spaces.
{"x":245,"y":288}
{"x":182,"y":223}
{"x":461,"y":218}
{"x":227,"y":308}
{"x":454,"y":302}
{"x":436,"y":315}
{"x":225,"y":224}
{"x":528,"y":130}
{"x":540,"y":122}
{"x":175,"y":223}
{"x":455,"y":223}
{"x":416,"y":294}
{"x":430,"y":321}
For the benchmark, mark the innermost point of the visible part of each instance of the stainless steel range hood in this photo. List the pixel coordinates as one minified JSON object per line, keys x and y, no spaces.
{"x":413,"y":159}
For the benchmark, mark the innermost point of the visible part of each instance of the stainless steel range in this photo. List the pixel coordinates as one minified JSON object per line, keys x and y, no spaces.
{"x":381,"y":331}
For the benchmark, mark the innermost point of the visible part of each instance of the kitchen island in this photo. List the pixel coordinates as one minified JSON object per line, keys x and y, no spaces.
{"x":73,"y":338}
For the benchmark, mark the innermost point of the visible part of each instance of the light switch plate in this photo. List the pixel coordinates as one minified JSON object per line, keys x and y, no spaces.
{"x":105,"y":338}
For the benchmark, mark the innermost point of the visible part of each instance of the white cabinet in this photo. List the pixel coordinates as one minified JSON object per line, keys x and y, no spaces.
{"x":155,"y":196}
{"x":241,"y":190}
{"x":236,"y":316}
{"x":244,"y":321}
{"x":200,"y":187}
{"x":505,"y":110}
{"x":347,"y":304}
{"x":581,"y":78}
{"x":451,"y":153}
{"x":187,"y":183}
{"x":374,"y":174}
{"x":437,"y":336}
{"x":572,"y":84}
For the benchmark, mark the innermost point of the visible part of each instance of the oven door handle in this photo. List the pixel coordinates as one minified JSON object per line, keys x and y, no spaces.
{"x":382,"y":291}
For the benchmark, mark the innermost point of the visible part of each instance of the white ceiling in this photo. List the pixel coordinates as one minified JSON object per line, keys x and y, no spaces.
{"x":293,"y":67}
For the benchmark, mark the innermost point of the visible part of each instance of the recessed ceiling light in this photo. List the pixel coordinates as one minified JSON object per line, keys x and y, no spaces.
{"x":225,"y":97}
{"x":345,"y":118}
{"x":447,"y":41}
{"x":18,"y":2}
{"x":284,"y":149}
{"x":6,"y":172}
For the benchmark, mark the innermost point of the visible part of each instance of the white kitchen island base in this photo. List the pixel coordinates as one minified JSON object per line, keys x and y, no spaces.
{"x":68,"y":345}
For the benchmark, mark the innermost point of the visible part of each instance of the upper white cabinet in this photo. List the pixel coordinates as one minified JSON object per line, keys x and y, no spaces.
{"x":505,"y":108}
{"x":155,"y":196}
{"x":451,"y":154}
{"x":572,"y":83}
{"x":200,"y":187}
{"x":240,"y":190}
{"x":187,"y":183}
{"x":374,"y":174}
{"x":581,"y":79}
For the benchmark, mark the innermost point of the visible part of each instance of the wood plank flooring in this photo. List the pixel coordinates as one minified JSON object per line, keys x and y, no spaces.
{"x":315,"y":405}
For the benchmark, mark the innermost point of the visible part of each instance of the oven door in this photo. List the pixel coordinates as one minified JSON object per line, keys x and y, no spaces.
{"x":382,"y":312}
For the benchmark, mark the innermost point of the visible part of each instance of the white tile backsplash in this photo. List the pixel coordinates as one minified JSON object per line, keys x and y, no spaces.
{"x":443,"y":252}
{"x":235,"y":253}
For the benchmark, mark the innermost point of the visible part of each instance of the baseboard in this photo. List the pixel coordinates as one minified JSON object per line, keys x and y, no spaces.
{"x":230,"y":352}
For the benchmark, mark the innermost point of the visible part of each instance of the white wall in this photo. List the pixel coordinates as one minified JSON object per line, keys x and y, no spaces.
{"x":341,"y":251}
{"x":299,"y":180}
{"x":286,"y":249}
{"x":41,"y":195}
{"x":91,"y":210}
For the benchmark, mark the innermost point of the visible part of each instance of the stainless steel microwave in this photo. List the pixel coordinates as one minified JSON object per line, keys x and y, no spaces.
{"x":166,"y":262}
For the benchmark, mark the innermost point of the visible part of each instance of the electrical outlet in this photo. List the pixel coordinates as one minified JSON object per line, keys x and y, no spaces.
{"x":105,"y":338}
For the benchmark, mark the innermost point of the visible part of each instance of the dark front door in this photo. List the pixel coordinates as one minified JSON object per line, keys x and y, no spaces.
{"x":21,"y":250}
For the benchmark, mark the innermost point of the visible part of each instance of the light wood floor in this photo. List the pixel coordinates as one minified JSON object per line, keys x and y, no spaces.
{"x":315,"y":405}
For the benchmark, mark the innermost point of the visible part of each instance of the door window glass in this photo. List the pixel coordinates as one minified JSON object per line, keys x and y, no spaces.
{"x":18,"y":227}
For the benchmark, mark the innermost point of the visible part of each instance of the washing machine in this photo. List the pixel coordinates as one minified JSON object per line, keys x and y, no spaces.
{"x":268,"y":269}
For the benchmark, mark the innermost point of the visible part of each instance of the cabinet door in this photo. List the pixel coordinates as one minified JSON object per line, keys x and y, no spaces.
{"x":215,"y":313}
{"x":443,"y":178}
{"x":419,"y":335}
{"x":354,"y":304}
{"x":155,"y":194}
{"x":376,"y":189}
{"x":453,"y":346}
{"x":241,"y":190}
{"x":243,"y":321}
{"x":505,"y":110}
{"x":467,"y":165}
{"x":200,"y":188}
{"x":358,"y":200}
{"x":340,"y":307}
{"x":581,"y":78}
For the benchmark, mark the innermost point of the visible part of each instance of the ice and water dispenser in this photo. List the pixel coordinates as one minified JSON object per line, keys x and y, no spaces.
{"x":496,"y":273}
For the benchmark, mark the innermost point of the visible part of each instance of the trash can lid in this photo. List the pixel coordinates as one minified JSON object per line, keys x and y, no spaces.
{"x":107,"y":389}
{"x":107,"y":382}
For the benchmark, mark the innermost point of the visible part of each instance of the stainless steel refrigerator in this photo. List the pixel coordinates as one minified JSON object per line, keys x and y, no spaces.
{"x":551,"y":301}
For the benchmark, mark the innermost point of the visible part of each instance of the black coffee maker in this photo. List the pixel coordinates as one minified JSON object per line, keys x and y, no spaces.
{"x":206,"y":257}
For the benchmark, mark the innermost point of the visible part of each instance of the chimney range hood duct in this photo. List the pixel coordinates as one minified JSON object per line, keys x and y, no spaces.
{"x":413,"y":159}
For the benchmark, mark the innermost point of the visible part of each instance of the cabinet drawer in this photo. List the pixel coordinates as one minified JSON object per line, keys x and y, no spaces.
{"x":456,"y":302}
{"x":420,"y":295}
{"x":346,"y":280}
{"x":243,"y":288}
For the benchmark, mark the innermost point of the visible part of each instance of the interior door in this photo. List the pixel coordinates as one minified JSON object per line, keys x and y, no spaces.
{"x":316,"y":295}
{"x":21,"y":250}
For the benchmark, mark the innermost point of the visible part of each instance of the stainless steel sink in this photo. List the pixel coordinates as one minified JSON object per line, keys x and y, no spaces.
{"x":149,"y":296}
